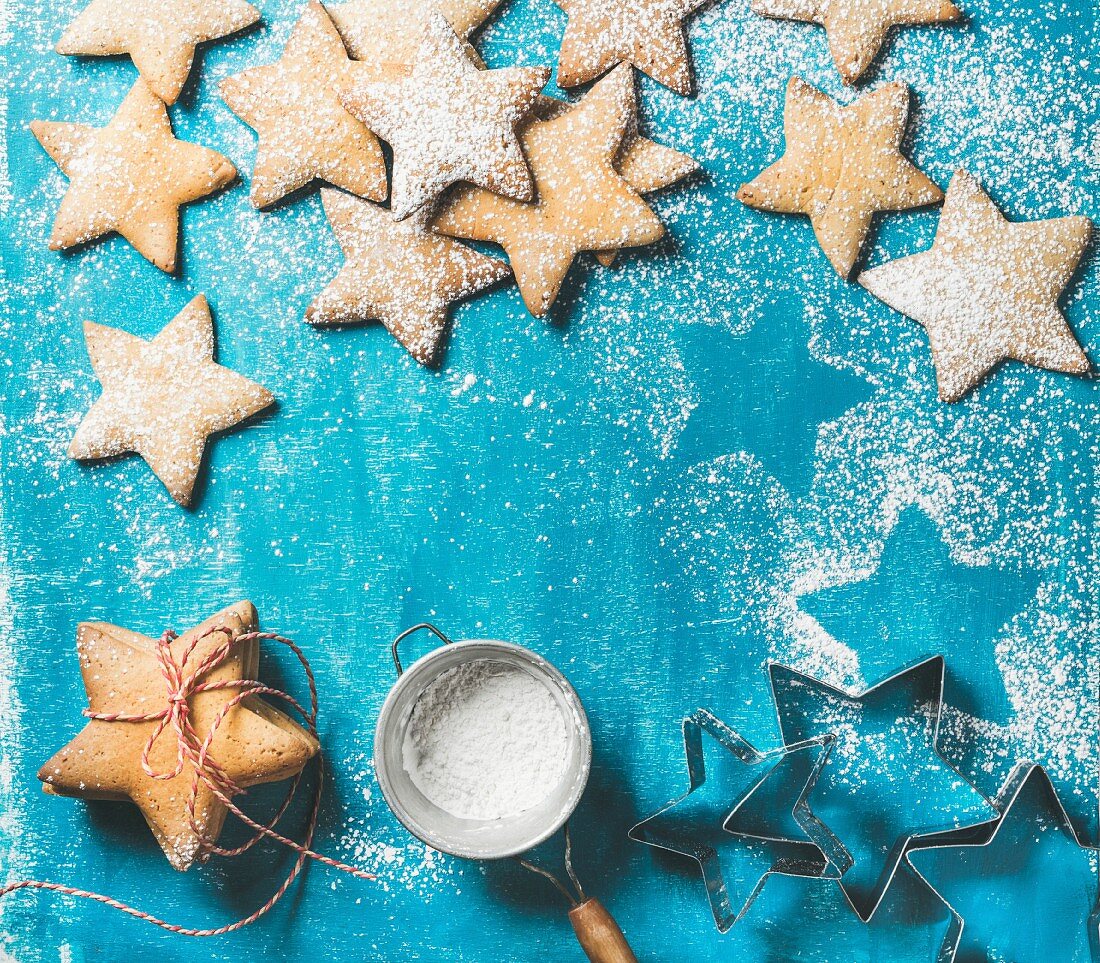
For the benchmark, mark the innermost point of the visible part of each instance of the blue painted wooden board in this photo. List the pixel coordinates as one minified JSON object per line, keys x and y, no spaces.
{"x":716,"y":454}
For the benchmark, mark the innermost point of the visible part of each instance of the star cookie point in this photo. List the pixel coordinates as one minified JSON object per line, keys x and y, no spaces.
{"x":857,"y":29}
{"x":304,"y":132}
{"x":841,"y":166}
{"x":164,"y":398}
{"x":159,"y":37}
{"x":399,"y":273}
{"x":987,"y":291}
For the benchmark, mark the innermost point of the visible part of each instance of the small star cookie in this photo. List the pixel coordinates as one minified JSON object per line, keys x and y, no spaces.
{"x":582,"y":203}
{"x":256,"y":743}
{"x":382,"y":35}
{"x":643,"y":163}
{"x":646,"y":33}
{"x":131,"y":176}
{"x":842,"y":165}
{"x":160,"y":37}
{"x":449,"y":121}
{"x":304,"y":131}
{"x":857,"y":29}
{"x":988,"y":289}
{"x":163,"y":398}
{"x":399,"y":273}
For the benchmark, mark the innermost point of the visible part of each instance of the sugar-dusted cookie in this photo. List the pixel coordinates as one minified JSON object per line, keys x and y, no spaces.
{"x":256,"y":743}
{"x":163,"y":398}
{"x":643,"y":163}
{"x":304,"y":131}
{"x":582,"y":202}
{"x":857,"y":29}
{"x":384,"y":34}
{"x":448,"y":121}
{"x":646,"y":33}
{"x":988,"y":289}
{"x":131,"y":176}
{"x":399,"y":273}
{"x":841,"y":166}
{"x":159,"y":36}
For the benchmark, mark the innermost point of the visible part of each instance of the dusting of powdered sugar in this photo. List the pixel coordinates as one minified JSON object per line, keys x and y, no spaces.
{"x":486,"y":740}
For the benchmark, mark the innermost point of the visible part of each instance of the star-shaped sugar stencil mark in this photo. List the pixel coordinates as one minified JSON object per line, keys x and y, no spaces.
{"x":919,"y":602}
{"x":1020,"y":887}
{"x":886,"y":781}
{"x":756,"y":390}
{"x":724,"y":772}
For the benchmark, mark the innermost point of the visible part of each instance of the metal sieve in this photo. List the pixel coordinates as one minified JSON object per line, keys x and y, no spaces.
{"x":598,"y":934}
{"x":476,"y":838}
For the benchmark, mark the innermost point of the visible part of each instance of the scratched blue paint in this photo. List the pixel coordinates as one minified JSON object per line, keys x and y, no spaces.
{"x":711,"y":456}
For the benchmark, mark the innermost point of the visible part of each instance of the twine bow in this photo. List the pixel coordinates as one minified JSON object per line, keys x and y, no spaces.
{"x":182,"y":683}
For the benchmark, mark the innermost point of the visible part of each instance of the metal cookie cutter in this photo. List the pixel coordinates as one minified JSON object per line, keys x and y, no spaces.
{"x":1028,"y":788}
{"x":920,"y":688}
{"x":733,"y":849}
{"x":597,"y":932}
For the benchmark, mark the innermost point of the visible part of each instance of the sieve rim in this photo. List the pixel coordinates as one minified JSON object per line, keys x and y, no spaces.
{"x":416,"y":677}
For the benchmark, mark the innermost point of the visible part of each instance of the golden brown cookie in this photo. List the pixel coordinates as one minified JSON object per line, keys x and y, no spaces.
{"x":399,"y":273}
{"x":384,"y":34}
{"x":304,"y":131}
{"x":256,"y":743}
{"x":646,"y":33}
{"x":131,"y":176}
{"x":160,"y":36}
{"x":988,"y":289}
{"x":857,"y":29}
{"x":842,"y":165}
{"x":449,"y":121}
{"x":582,"y":203}
{"x":163,"y":398}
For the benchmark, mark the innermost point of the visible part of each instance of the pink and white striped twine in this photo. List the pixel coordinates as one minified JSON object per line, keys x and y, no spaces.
{"x":181,"y":685}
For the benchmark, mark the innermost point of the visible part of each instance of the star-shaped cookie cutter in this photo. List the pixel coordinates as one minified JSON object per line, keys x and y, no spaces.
{"x":817,"y":854}
{"x":926,"y":679}
{"x":984,"y":834}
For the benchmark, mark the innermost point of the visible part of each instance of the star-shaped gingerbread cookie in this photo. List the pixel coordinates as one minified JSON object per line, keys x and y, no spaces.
{"x":256,"y":743}
{"x":582,"y":202}
{"x":131,"y":176}
{"x":384,"y":34}
{"x":449,"y":121}
{"x":304,"y":131}
{"x":160,"y":37}
{"x":646,"y":33}
{"x":399,"y":273}
{"x":842,"y":165}
{"x":163,"y":398}
{"x":857,"y":29}
{"x":988,"y":289}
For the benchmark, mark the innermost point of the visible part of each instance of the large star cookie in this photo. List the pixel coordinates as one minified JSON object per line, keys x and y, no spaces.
{"x":988,"y":289}
{"x":160,"y":37}
{"x":131,"y":176}
{"x":304,"y":130}
{"x":256,"y":743}
{"x":857,"y":29}
{"x":646,"y":33}
{"x":449,"y":121}
{"x":398,"y":272}
{"x":841,"y":166}
{"x":384,"y":34}
{"x":163,"y":398}
{"x":582,"y":202}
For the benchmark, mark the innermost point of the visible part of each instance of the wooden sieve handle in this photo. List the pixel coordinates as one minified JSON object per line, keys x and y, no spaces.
{"x":599,"y":935}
